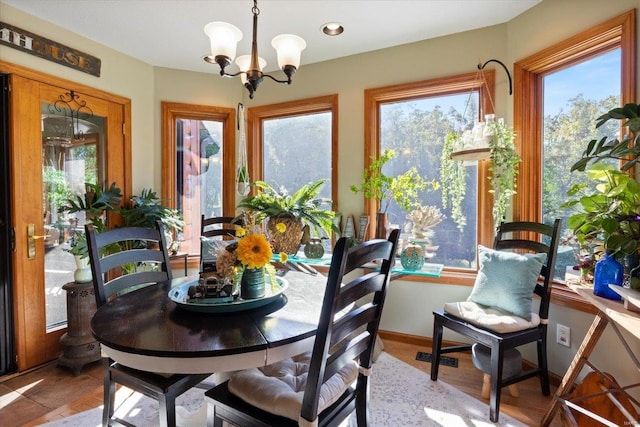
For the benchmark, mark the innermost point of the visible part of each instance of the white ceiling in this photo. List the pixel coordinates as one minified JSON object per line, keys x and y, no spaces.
{"x":169,"y":33}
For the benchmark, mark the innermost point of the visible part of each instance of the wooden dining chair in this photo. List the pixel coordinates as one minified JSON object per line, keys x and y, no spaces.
{"x":498,"y":313}
{"x":213,"y":232}
{"x":317,"y":387}
{"x":123,"y":259}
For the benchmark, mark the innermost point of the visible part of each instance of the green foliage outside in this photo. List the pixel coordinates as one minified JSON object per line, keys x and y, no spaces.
{"x":298,"y":150}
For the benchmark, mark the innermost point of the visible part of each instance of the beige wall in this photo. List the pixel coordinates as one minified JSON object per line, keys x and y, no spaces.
{"x":120,"y":74}
{"x":409,"y":305}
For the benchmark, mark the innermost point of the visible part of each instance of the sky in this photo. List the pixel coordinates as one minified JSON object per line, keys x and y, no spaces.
{"x":596,"y":79}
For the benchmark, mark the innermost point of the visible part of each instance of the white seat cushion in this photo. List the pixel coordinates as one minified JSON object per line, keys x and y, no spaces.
{"x":489,"y":317}
{"x":279,"y":387}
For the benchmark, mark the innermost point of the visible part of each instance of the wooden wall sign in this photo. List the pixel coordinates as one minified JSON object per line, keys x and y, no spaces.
{"x":48,"y":49}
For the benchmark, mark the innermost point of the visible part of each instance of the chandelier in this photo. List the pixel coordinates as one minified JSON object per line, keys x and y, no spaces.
{"x":224,"y":39}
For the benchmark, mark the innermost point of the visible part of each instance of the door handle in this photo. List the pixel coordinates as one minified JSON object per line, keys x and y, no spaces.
{"x":31,"y":240}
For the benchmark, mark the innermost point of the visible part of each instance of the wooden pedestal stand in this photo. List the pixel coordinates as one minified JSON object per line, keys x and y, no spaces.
{"x":80,"y":348}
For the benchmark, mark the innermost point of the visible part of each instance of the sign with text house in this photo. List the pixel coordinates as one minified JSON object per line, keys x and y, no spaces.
{"x":33,"y":44}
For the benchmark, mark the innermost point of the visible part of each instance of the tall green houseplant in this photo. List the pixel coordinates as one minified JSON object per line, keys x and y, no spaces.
{"x":608,"y":213}
{"x":95,"y":203}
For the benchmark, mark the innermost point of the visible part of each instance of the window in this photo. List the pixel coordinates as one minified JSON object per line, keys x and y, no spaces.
{"x":559,"y":93}
{"x":295,"y":143}
{"x":413,"y":119}
{"x":198,"y":161}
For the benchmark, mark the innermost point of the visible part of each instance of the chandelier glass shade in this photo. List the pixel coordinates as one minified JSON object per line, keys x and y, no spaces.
{"x":224,"y":38}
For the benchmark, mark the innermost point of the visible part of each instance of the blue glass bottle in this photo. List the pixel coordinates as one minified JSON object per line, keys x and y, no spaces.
{"x":608,"y":271}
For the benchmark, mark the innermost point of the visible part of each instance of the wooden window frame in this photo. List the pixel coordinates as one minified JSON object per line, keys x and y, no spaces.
{"x":257,"y":115}
{"x":484,"y":83}
{"x":618,"y":32}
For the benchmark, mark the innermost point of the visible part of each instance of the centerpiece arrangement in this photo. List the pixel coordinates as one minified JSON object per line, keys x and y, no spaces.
{"x":247,"y":261}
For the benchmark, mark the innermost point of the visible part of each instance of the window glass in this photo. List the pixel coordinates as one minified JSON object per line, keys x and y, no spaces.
{"x":199,"y":163}
{"x":573,"y":98}
{"x":294,"y":143}
{"x":416,"y":129}
{"x":297,"y":150}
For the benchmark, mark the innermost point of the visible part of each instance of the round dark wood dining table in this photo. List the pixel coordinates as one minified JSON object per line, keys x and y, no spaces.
{"x":146,"y":330}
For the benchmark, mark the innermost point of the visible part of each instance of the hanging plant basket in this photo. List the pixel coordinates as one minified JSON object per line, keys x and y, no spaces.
{"x":470,"y":155}
{"x":503,"y":157}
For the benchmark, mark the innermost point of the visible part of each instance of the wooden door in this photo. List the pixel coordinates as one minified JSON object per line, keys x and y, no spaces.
{"x":37,"y":158}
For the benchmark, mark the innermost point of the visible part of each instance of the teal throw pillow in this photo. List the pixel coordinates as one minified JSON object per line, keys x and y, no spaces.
{"x":506,"y":280}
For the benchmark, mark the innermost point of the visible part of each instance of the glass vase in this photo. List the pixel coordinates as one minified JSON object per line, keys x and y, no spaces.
{"x":608,"y":271}
{"x":314,"y":249}
{"x":412,"y":257}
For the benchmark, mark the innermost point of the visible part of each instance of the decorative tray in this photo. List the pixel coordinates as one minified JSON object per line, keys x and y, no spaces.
{"x":180,"y":296}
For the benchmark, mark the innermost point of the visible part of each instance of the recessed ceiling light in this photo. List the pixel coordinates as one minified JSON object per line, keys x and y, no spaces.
{"x":332,"y":28}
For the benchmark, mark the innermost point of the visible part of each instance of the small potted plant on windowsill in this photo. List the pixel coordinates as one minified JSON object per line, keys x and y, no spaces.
{"x":403,"y":189}
{"x":95,"y":203}
{"x":145,"y":209}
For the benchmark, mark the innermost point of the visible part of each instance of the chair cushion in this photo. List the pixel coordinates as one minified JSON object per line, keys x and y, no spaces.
{"x":279,"y":387}
{"x":506,"y":280}
{"x":490,"y":317}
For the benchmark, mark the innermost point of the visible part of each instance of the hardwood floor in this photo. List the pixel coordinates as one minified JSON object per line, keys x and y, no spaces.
{"x":50,"y":393}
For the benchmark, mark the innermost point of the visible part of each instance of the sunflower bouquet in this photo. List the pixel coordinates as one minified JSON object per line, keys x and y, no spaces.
{"x":252,"y":249}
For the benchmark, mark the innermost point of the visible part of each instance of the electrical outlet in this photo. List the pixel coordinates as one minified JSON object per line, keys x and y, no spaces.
{"x":563,"y":335}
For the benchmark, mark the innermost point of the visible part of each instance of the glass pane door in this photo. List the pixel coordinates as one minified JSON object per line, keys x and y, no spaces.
{"x":199,"y":164}
{"x":72,"y":155}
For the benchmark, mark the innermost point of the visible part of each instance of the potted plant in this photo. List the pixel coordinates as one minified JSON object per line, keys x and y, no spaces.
{"x":608,"y":215}
{"x":145,"y":209}
{"x":292,"y":212}
{"x":94,"y":203}
{"x":403,"y":189}
{"x":503,"y":162}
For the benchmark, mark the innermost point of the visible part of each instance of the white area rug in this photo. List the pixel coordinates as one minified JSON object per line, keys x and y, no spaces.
{"x":401,"y":395}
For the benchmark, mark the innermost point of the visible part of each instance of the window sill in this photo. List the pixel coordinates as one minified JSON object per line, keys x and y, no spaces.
{"x":560,"y":293}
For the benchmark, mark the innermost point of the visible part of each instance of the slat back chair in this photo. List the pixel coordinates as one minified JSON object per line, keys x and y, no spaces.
{"x":500,"y":332}
{"x":221,"y":227}
{"x":134,"y":245}
{"x":111,"y":253}
{"x":343,"y":348}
